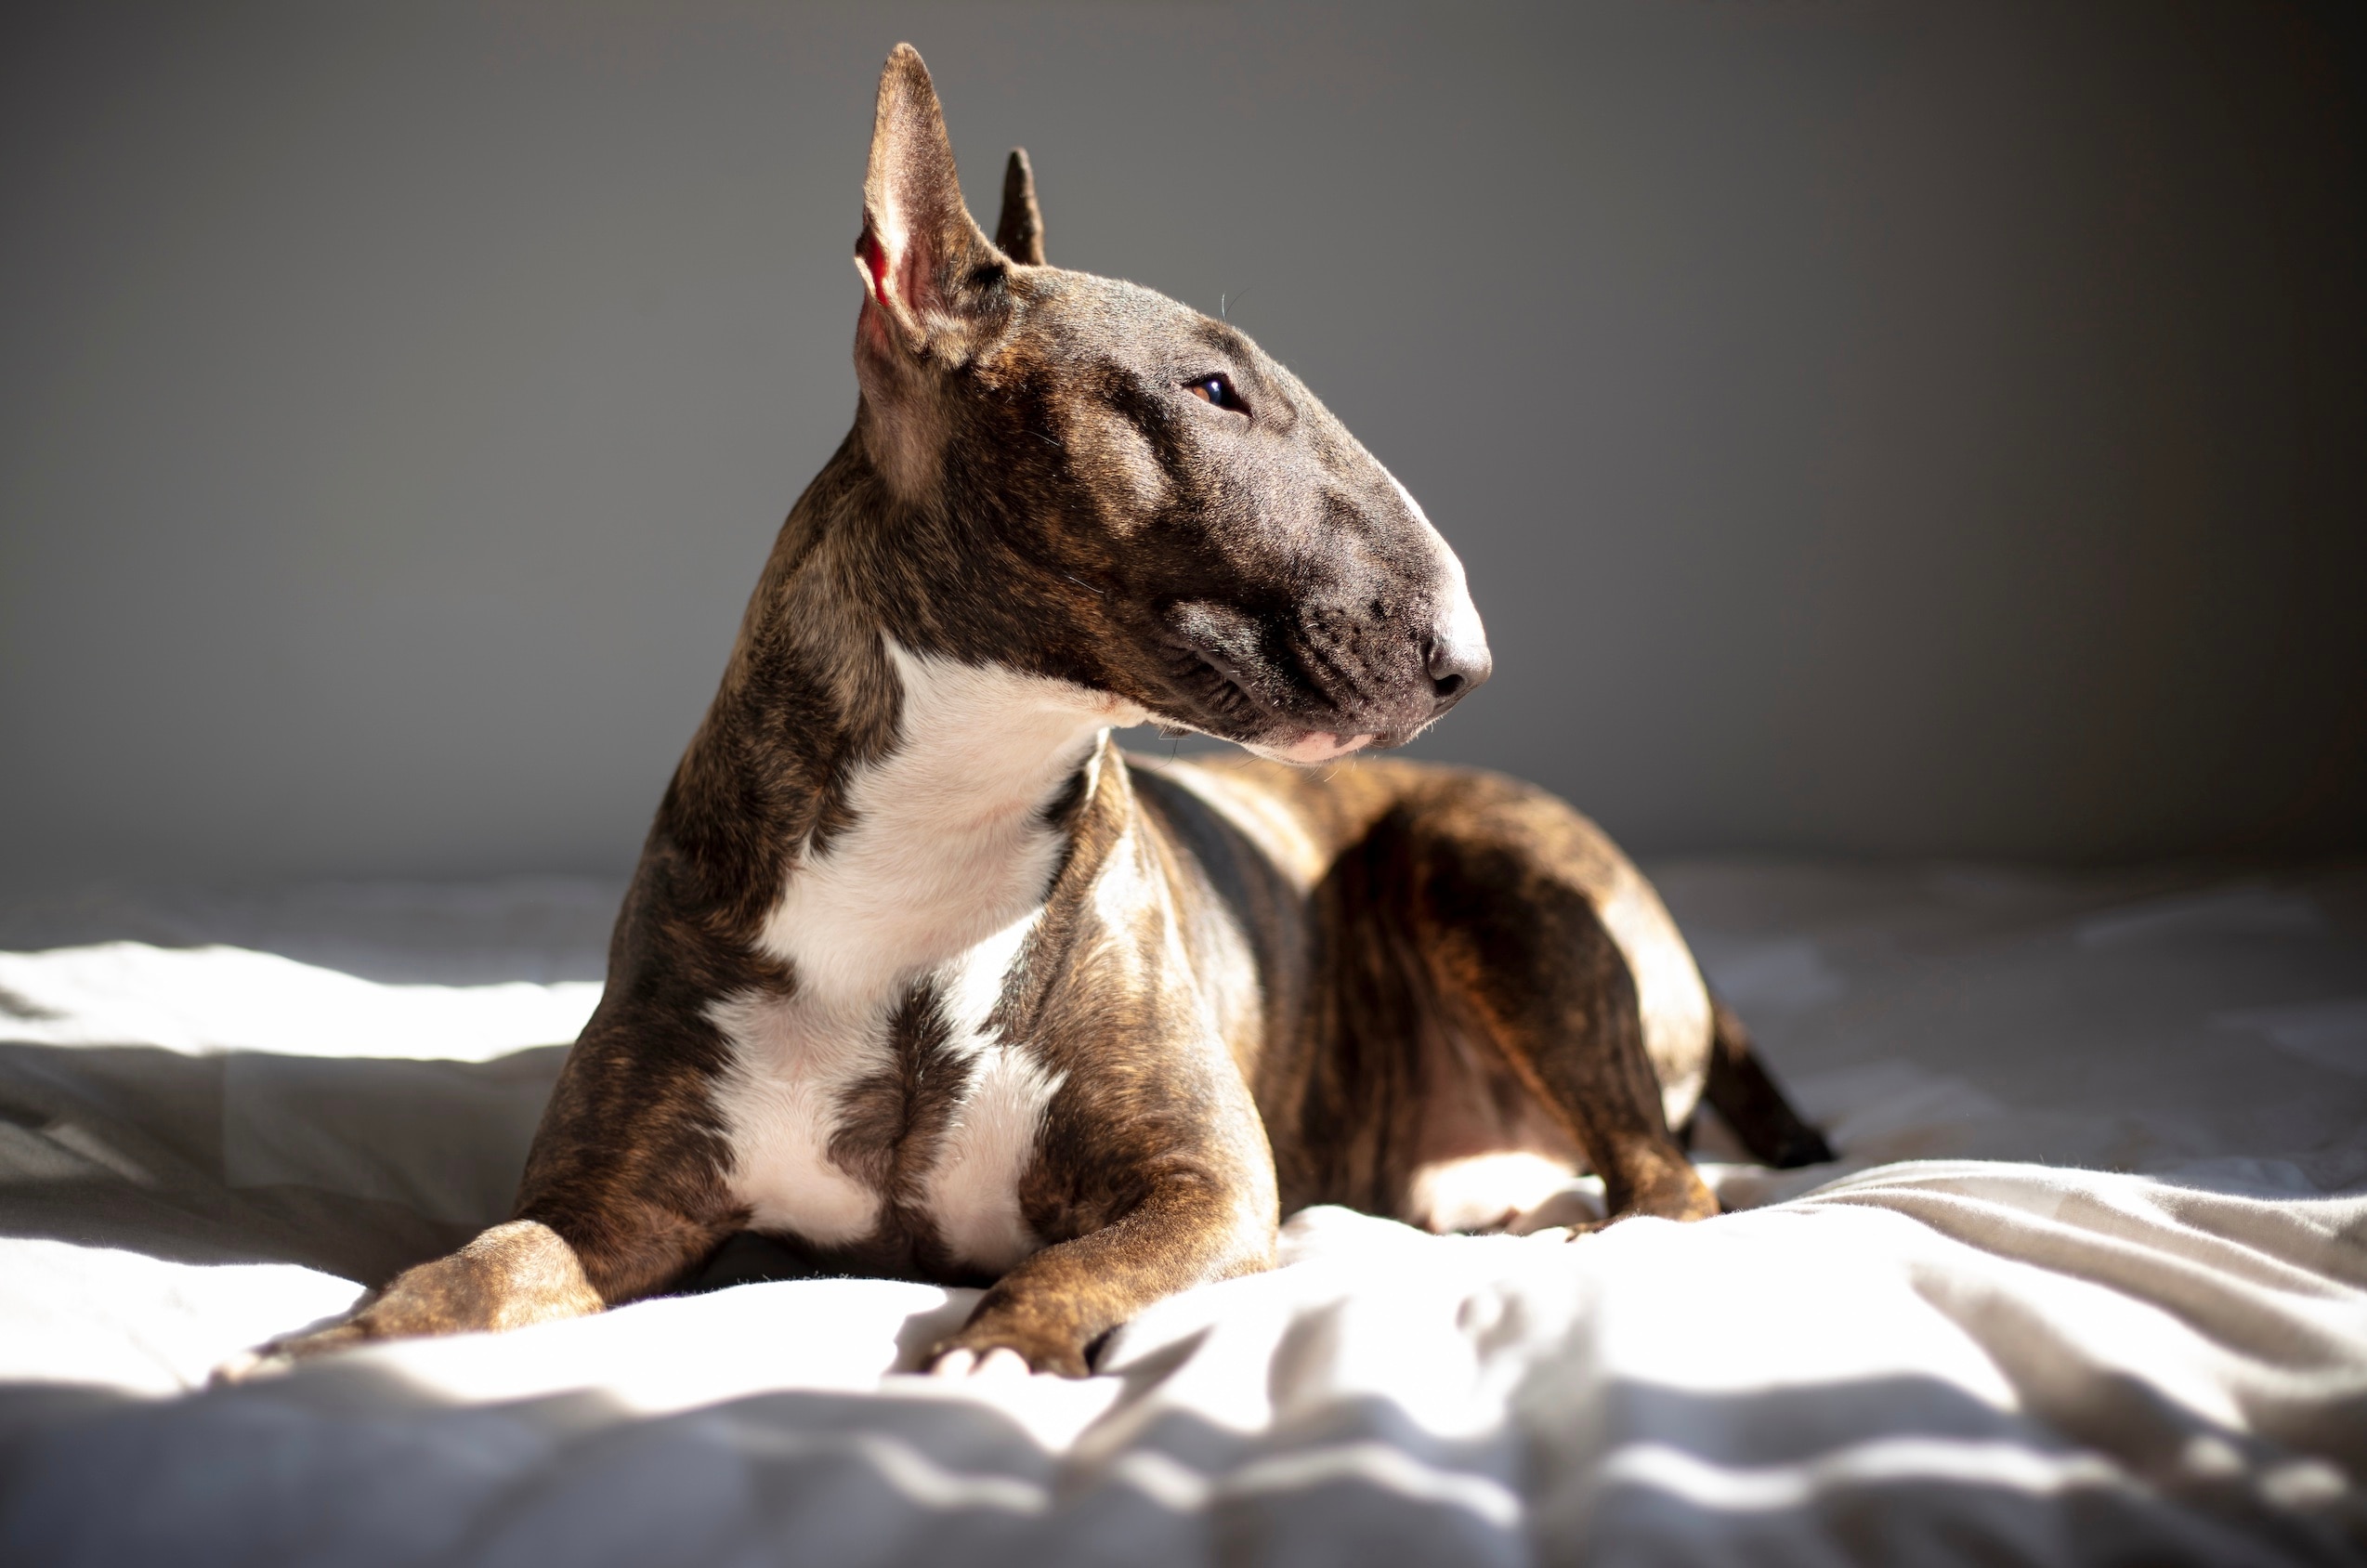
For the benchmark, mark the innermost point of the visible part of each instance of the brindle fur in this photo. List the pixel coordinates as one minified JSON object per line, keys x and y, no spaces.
{"x":1313,"y":988}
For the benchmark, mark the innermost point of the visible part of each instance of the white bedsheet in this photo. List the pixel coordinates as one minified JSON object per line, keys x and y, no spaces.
{"x":2153,"y":1347}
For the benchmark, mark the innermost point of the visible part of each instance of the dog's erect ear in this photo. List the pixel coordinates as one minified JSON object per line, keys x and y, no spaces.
{"x":1019,"y":234}
{"x":920,"y":251}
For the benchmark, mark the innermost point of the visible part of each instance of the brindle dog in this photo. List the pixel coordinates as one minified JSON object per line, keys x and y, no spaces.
{"x":920,"y":972}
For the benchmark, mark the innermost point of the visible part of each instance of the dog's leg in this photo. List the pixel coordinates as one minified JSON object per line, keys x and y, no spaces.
{"x":1505,"y":923}
{"x":525,"y":1271}
{"x":619,"y":1200}
{"x":1052,"y":1309}
{"x":512,"y":1275}
{"x":1750,"y":1103}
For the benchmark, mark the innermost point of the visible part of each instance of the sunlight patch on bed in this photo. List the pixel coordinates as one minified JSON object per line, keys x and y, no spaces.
{"x":197,"y":1000}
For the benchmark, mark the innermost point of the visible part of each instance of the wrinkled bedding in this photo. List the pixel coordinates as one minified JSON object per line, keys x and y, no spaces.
{"x":2088,"y":1283}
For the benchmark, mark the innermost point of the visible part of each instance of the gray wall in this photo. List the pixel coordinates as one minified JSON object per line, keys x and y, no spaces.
{"x":1870,"y":428}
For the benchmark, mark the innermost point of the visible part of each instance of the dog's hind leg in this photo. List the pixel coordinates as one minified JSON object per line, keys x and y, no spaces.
{"x":1750,"y":1102}
{"x":1504,"y":886}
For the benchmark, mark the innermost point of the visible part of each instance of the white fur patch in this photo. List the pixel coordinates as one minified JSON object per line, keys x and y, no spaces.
{"x":973,"y":1187}
{"x":1484,"y":1192}
{"x":942,"y":874}
{"x":790,"y":1063}
{"x":947,"y":848}
{"x":1670,"y":993}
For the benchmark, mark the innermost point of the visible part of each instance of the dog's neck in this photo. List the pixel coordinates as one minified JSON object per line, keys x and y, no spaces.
{"x":906,"y":801}
{"x":950,"y":837}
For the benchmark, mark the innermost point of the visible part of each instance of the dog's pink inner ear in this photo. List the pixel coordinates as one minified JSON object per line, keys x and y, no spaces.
{"x":897,"y":276}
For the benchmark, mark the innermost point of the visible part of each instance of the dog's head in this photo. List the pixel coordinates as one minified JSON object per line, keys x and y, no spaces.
{"x":1088,"y":481}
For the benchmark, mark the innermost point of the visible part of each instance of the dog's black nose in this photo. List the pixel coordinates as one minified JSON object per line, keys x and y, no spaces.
{"x":1457,"y":666}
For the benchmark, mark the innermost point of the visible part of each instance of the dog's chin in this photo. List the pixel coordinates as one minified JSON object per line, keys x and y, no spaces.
{"x":1315,"y":746}
{"x":1301,"y":748}
{"x":1344,"y":731}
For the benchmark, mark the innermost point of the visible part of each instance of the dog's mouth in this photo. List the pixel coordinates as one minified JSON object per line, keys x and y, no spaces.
{"x":1232,"y":690}
{"x":1213,"y":690}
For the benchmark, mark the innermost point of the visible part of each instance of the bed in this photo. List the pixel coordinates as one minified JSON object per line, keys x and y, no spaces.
{"x":2087,"y":1284}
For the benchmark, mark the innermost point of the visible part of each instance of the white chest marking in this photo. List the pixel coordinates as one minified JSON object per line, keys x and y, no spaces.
{"x":972,"y":1188}
{"x":941,"y":876}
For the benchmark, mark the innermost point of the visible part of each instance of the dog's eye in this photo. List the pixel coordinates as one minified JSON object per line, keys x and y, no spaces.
{"x":1216,"y":390}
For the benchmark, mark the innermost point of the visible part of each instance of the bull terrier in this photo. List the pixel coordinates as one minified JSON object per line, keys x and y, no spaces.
{"x":921,"y":974}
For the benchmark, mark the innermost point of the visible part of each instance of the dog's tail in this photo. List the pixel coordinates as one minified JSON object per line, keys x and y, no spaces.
{"x":1747,"y":1100}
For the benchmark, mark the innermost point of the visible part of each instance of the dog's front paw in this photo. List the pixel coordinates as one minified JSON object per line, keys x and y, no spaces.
{"x":246,"y":1367}
{"x":1002,"y":1364}
{"x":1000,"y":1352}
{"x":515,"y":1274}
{"x":1673,"y":1192}
{"x":279,"y":1355}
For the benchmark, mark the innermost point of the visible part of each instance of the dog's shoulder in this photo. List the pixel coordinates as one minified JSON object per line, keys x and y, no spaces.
{"x":1303,"y":818}
{"x":1295,"y":820}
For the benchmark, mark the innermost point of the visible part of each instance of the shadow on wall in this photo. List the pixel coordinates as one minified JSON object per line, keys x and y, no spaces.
{"x":1867,"y":431}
